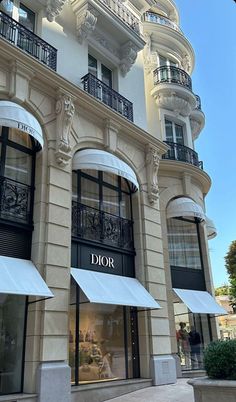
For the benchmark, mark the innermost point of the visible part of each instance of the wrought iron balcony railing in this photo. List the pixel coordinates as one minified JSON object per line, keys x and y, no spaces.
{"x":107,"y":95}
{"x":179,"y":152}
{"x":23,"y":38}
{"x":160,"y":19}
{"x":15,"y":201}
{"x":120,"y":9}
{"x":172,"y":75}
{"x":198,"y":99}
{"x":92,"y":224}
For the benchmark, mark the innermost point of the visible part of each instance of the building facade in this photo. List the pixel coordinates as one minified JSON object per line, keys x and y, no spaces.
{"x":102,"y":201}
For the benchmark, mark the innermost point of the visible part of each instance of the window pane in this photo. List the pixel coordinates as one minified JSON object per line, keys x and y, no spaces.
{"x":7,"y":7}
{"x":12,"y":319}
{"x":89,"y":193}
{"x":183,"y":244}
{"x":91,"y":172}
{"x":110,"y":201}
{"x":26,"y":17}
{"x":74,"y":186}
{"x":18,"y":166}
{"x":169,"y":131}
{"x":101,"y":343}
{"x":110,"y":178}
{"x":125,"y":210}
{"x":179,"y":134}
{"x":92,"y":65}
{"x":124,"y":185}
{"x":162,"y":61}
{"x":19,"y":137}
{"x":106,"y":76}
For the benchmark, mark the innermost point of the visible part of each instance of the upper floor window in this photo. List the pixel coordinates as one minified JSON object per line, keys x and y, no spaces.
{"x":100,"y":71}
{"x":184,"y":243}
{"x":17,"y":160}
{"x":164,"y":61}
{"x":19,"y":12}
{"x":174,"y":132}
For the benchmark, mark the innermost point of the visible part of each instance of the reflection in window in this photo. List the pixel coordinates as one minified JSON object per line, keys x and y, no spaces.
{"x":192,"y":336}
{"x":183,"y":244}
{"x":12,"y":319}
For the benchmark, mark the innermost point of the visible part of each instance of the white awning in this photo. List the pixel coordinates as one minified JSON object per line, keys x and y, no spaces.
{"x":21,"y":277}
{"x":211,"y":229}
{"x":184,"y":207}
{"x":199,"y":301}
{"x":15,"y":116}
{"x":102,"y":160}
{"x":113,"y":289}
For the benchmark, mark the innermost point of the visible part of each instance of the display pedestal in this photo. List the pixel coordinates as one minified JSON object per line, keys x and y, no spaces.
{"x":163,"y":370}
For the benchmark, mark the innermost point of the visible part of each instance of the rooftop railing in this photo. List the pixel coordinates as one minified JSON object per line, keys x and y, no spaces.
{"x":120,"y":9}
{"x":160,"y":19}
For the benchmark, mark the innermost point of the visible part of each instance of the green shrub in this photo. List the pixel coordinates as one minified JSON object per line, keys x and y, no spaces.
{"x":220,"y":360}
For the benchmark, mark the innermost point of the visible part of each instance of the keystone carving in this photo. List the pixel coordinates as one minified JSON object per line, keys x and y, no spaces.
{"x":111,"y":131}
{"x":85,"y":23}
{"x":65,"y":111}
{"x":129,"y":53}
{"x":152,"y":165}
{"x":54,"y":8}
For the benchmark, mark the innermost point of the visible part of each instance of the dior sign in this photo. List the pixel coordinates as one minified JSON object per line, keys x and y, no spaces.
{"x":102,"y":260}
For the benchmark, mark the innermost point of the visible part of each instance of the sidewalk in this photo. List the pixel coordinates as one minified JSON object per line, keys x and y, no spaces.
{"x":179,"y":392}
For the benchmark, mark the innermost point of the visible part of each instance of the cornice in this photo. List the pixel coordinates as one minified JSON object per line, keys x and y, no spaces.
{"x":52,"y":81}
{"x":170,"y":166}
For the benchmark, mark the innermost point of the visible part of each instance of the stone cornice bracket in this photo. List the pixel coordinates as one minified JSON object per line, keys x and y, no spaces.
{"x":86,"y":18}
{"x":152,"y":165}
{"x":65,"y":110}
{"x":54,"y":8}
{"x":150,"y":57}
{"x":111,"y":131}
{"x":129,"y":53}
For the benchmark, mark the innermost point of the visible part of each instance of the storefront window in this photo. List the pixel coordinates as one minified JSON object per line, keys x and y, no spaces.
{"x":98,"y":348}
{"x":192,"y":336}
{"x":183,"y":243}
{"x":12,"y":322}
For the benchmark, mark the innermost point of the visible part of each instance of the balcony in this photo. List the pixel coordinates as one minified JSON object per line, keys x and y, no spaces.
{"x":95,"y":225}
{"x":15,"y":201}
{"x":172,"y":75}
{"x":160,"y":19}
{"x":179,"y":152}
{"x":123,"y":13}
{"x":108,"y":96}
{"x":18,"y":35}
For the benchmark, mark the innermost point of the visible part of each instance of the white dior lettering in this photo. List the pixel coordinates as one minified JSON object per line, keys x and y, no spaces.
{"x":102,"y":260}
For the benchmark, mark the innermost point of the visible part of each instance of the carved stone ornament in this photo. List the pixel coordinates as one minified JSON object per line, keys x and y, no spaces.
{"x":186,"y":63}
{"x":54,"y":8}
{"x":177,"y":104}
{"x":111,"y":131}
{"x":85,"y":23}
{"x":195,"y":128}
{"x":129,"y":53}
{"x":65,"y":111}
{"x":152,"y":165}
{"x":150,"y":58}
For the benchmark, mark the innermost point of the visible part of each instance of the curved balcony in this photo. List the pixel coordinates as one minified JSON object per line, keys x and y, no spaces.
{"x":95,"y":225}
{"x":160,"y":19}
{"x":23,"y":38}
{"x":107,"y":95}
{"x":179,"y":152}
{"x":172,"y":75}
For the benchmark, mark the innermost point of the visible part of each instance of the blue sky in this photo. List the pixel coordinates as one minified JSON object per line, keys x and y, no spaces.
{"x":210,"y":26}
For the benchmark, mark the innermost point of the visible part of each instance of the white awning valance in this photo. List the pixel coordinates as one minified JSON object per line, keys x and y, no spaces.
{"x":199,"y":301}
{"x":102,"y":160}
{"x":211,"y":229}
{"x":113,"y":289}
{"x":15,"y":116}
{"x":184,"y":207}
{"x":21,"y":277}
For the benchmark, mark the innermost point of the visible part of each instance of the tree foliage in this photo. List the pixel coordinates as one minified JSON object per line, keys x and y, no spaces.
{"x":222,"y":290}
{"x":230,"y":264}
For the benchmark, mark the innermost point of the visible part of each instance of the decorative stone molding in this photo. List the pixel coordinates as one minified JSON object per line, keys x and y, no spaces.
{"x":106,"y":44}
{"x":86,"y":18}
{"x":65,"y":111}
{"x":150,"y":57}
{"x":186,"y":63}
{"x":54,"y":8}
{"x":152,"y":165}
{"x":129,"y":53}
{"x":111,"y":131}
{"x":177,"y":104}
{"x":195,"y":128}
